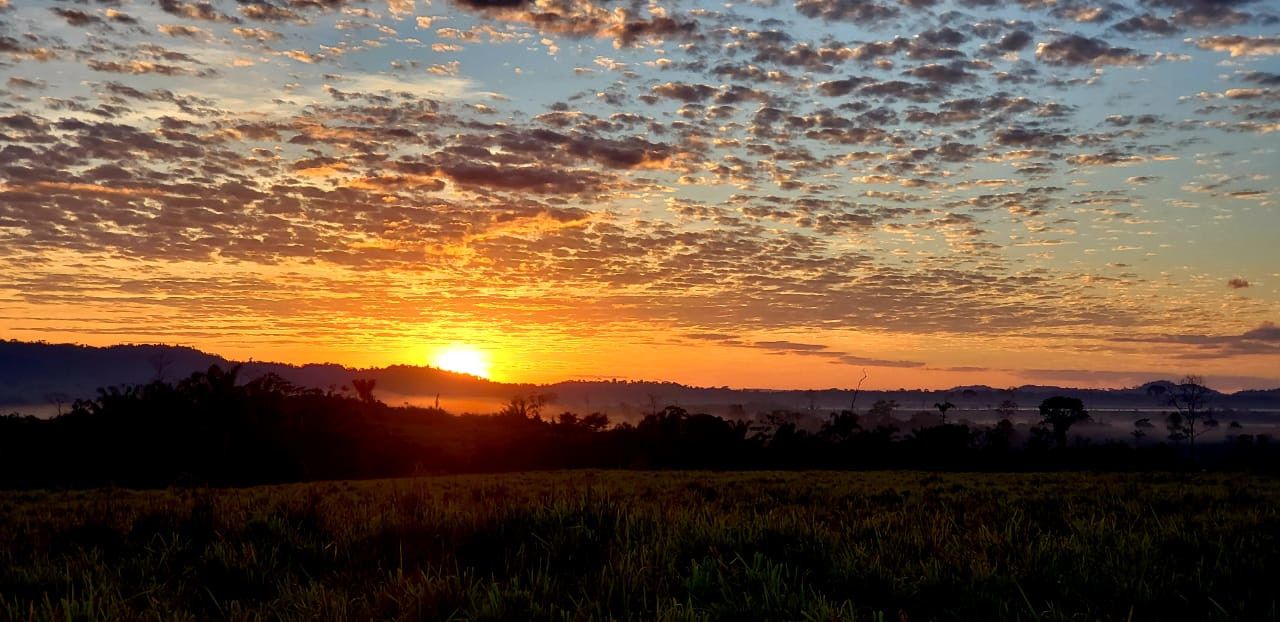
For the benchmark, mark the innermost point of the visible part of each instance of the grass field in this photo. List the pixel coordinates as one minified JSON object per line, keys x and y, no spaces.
{"x":654,"y":546}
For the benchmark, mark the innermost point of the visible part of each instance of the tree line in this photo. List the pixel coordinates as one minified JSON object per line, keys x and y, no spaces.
{"x":213,"y":428}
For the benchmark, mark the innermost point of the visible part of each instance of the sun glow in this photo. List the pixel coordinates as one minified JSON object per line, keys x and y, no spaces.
{"x":463,"y":359}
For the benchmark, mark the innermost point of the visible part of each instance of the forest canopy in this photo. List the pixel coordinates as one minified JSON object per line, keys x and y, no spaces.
{"x":212,"y":428}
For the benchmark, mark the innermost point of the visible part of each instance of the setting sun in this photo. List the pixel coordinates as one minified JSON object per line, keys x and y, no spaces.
{"x":463,"y":359}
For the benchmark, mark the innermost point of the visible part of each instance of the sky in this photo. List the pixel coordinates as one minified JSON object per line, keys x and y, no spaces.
{"x":787,"y":194}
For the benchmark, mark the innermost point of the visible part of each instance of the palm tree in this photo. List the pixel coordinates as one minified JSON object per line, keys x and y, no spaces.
{"x":943,"y":407}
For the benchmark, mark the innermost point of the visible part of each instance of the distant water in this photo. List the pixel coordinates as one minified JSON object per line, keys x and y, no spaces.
{"x":1111,"y":424}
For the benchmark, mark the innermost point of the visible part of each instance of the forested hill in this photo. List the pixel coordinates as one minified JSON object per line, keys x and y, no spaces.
{"x":38,"y":374}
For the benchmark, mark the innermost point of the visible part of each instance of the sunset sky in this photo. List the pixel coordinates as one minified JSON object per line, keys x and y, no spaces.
{"x":764,"y":194}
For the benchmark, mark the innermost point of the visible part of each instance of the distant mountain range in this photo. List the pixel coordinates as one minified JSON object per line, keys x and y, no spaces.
{"x":36,"y":376}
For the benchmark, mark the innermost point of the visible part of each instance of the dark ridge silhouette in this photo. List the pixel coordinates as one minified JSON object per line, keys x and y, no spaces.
{"x":33,"y":374}
{"x":212,"y":427}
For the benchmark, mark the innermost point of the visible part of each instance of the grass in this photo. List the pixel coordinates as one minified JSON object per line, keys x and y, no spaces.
{"x":584,"y":545}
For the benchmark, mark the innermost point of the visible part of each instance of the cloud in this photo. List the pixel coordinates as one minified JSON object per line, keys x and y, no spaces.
{"x":789,"y":346}
{"x":179,"y":30}
{"x":945,"y":74}
{"x":1240,"y":45}
{"x":811,"y":349}
{"x":1077,"y":50}
{"x":875,"y":362}
{"x":583,"y":18}
{"x":1013,"y":42}
{"x":260,"y":35}
{"x":1262,"y":77}
{"x":1108,"y":158}
{"x":492,"y":4}
{"x":262,"y":10}
{"x":76,"y":17}
{"x":856,"y":11}
{"x":140,"y":67}
{"x":1206,"y":13}
{"x":17,"y":82}
{"x":428,"y":87}
{"x":1146,"y":23}
{"x":840,"y":88}
{"x":684,"y":92}
{"x":1262,"y":340}
{"x":1029,"y":137}
{"x":401,"y":8}
{"x":902,"y":164}
{"x":194,"y":10}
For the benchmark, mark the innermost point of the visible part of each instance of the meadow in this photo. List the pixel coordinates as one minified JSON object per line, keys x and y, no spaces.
{"x":581,"y":545}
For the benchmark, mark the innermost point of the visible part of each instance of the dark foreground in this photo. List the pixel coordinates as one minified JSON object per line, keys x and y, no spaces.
{"x":654,"y":546}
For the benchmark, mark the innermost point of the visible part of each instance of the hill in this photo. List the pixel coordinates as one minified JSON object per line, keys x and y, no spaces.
{"x":35,"y":377}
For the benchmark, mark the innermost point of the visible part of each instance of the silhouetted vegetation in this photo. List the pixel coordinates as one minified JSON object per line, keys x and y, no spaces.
{"x":213,"y":428}
{"x":618,"y":545}
{"x":1190,"y":418}
{"x":1060,"y":413}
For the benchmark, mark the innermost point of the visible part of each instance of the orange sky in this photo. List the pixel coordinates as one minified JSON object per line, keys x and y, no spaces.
{"x":747,"y":194}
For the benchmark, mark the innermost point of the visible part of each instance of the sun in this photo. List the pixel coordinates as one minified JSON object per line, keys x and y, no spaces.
{"x":463,"y":359}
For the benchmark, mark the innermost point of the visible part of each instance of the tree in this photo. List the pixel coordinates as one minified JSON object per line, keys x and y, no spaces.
{"x":530,"y":407}
{"x":840,"y":427}
{"x":883,"y":408}
{"x":364,"y":389}
{"x":594,"y":421}
{"x":58,"y":400}
{"x":1190,"y":398}
{"x":1060,"y":413}
{"x":853,"y":404}
{"x":943,"y":407}
{"x":1007,"y":409}
{"x":160,"y":363}
{"x":881,"y":412}
{"x":651,"y":401}
{"x":1140,"y":428}
{"x":1000,"y":436}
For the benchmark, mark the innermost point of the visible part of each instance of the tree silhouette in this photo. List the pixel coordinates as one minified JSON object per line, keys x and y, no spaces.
{"x":853,"y":403}
{"x":594,"y":421}
{"x":1191,"y":398}
{"x":881,"y":413}
{"x":943,"y":407}
{"x":213,"y":428}
{"x":364,"y":389}
{"x":652,"y":400}
{"x":840,"y":427}
{"x":1140,"y":428}
{"x":160,"y":363}
{"x":1000,"y":436}
{"x":1060,"y":413}
{"x":529,"y":407}
{"x":58,"y":399}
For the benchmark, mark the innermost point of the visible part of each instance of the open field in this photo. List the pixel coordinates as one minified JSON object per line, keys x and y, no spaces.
{"x":654,"y":545}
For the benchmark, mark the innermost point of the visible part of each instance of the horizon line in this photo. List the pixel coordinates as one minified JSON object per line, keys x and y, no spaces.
{"x":601,"y":378}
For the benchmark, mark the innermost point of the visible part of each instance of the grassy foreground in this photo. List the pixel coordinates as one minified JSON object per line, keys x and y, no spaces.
{"x":654,"y":546}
